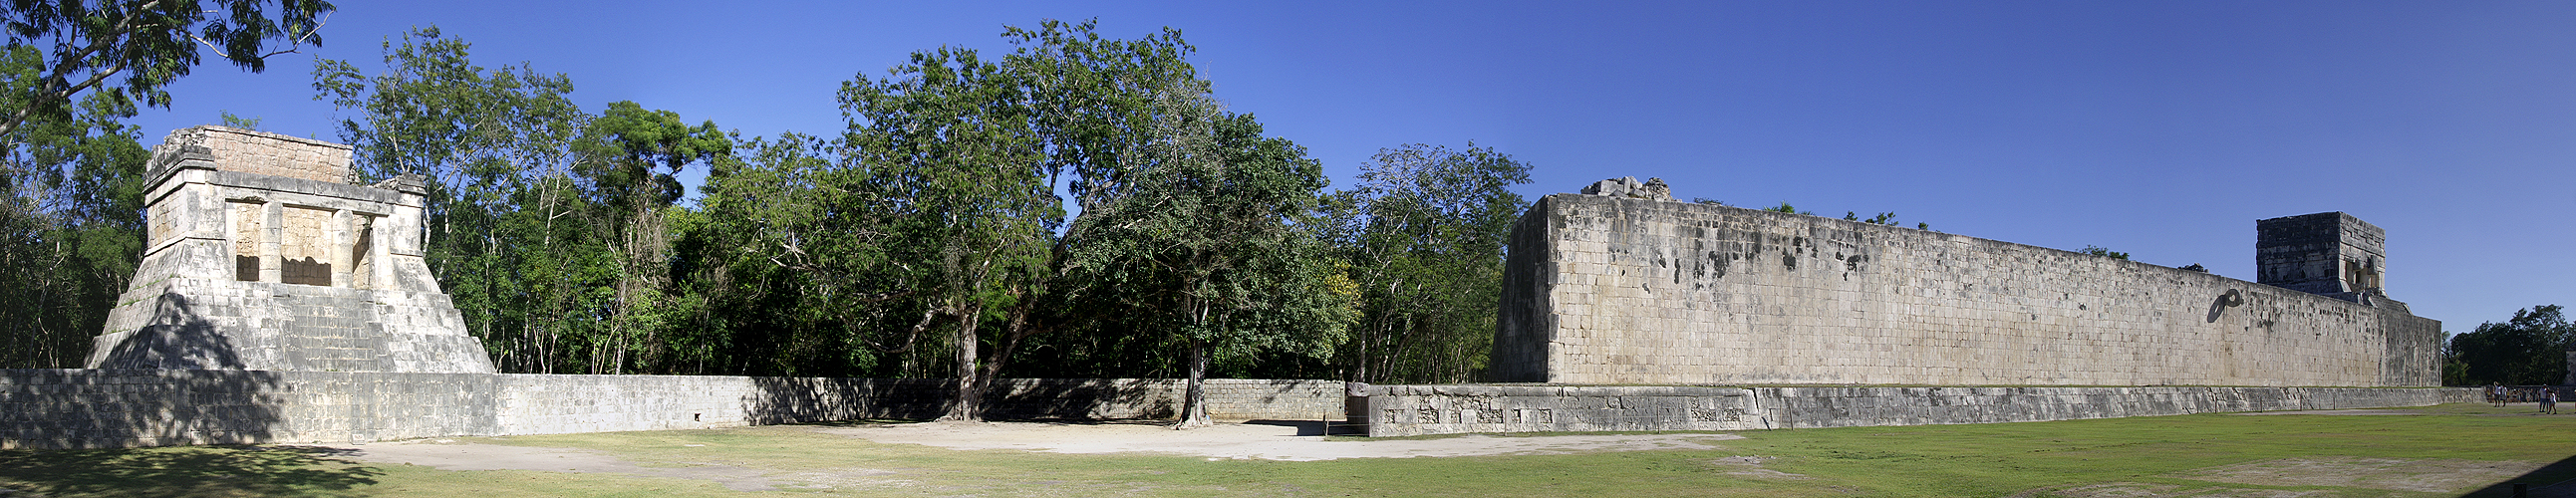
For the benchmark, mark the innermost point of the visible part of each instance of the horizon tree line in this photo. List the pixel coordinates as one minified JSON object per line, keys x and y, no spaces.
{"x":1075,"y":206}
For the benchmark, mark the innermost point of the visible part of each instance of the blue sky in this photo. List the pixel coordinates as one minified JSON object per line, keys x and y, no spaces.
{"x":2162,"y":129}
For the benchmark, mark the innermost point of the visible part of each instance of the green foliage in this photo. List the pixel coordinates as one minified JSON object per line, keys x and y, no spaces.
{"x":2529,"y":349}
{"x":1208,"y":246}
{"x":72,"y":72}
{"x":2091,"y":250}
{"x":71,"y":231}
{"x":1784,"y":207}
{"x":513,"y":235}
{"x":933,"y":237}
{"x":1424,"y":232}
{"x":240,"y":122}
{"x":60,"y":50}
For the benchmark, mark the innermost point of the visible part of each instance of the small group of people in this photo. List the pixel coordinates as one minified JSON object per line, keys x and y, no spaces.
{"x":2500,"y":396}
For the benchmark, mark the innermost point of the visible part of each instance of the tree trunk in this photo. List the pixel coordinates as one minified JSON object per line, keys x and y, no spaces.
{"x":1194,"y":401}
{"x":967,"y":406}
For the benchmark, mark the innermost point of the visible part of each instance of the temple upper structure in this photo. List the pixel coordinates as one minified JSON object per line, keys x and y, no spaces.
{"x":262,"y":255}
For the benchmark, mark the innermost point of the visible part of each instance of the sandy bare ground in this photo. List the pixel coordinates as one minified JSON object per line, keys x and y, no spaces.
{"x":450,"y":454}
{"x":1290,"y":441}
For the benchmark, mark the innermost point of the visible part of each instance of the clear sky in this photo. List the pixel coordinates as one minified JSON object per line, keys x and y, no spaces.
{"x":2162,"y":129}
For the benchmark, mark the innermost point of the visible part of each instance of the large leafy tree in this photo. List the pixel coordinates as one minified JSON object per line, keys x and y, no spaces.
{"x":791,"y":257}
{"x":628,"y":160}
{"x":1424,"y":233}
{"x":71,"y":230}
{"x":953,"y":138}
{"x":131,"y":49}
{"x":963,"y":157}
{"x":504,"y":215}
{"x":2529,"y":349}
{"x":1210,"y":242}
{"x":71,"y":72}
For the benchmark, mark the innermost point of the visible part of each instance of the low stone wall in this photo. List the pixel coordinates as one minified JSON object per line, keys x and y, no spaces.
{"x":92,"y":408}
{"x":1419,"y":410}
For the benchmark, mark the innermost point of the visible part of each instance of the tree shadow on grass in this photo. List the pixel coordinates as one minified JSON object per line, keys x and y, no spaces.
{"x":2553,"y":480}
{"x":183,"y":471}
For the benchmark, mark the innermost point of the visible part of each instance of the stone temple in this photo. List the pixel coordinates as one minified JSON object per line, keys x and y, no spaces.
{"x":262,"y":255}
{"x":1625,"y":286}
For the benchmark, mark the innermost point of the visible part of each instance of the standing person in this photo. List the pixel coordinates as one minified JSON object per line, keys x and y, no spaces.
{"x":2495,"y":395}
{"x":2549,"y":400}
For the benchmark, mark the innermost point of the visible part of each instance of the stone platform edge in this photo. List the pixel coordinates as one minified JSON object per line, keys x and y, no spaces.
{"x":1412,"y":410}
{"x":97,"y":408}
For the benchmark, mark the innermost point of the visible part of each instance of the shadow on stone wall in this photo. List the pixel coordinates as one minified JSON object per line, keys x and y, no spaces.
{"x":167,"y":384}
{"x":791,"y":400}
{"x":1079,"y":399}
{"x":788,"y":400}
{"x":177,"y":337}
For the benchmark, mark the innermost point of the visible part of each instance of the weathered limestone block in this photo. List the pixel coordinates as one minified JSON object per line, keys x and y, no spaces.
{"x":1608,"y":289}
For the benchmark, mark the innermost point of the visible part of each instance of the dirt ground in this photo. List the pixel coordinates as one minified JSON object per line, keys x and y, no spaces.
{"x":1301,"y":441}
{"x":1266,"y":440}
{"x":1289,"y":441}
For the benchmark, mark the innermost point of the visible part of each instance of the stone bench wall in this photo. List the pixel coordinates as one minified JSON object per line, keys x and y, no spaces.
{"x":1419,"y":410}
{"x":1612,"y":291}
{"x":92,"y":408}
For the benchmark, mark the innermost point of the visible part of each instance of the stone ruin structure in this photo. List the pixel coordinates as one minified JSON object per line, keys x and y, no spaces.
{"x":262,"y":255}
{"x":1626,"y":289}
{"x":1652,"y":189}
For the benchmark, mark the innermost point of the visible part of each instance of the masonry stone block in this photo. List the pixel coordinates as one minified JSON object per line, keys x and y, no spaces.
{"x":1612,"y":290}
{"x":251,"y":263}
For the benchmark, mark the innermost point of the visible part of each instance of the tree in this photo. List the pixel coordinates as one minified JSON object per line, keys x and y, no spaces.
{"x":61,"y":49}
{"x":628,"y":157}
{"x":1210,"y":244}
{"x":494,"y":145}
{"x":950,"y":131}
{"x":1424,"y":232}
{"x":2526,"y":350}
{"x":70,"y":170}
{"x":71,"y":231}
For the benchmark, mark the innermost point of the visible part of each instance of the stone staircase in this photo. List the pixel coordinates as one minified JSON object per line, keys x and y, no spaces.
{"x":329,"y":329}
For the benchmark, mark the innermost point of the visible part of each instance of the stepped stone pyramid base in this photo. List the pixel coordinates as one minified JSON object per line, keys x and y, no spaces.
{"x":263,"y":257}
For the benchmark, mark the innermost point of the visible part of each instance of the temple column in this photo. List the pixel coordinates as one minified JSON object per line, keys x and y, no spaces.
{"x":344,"y":258}
{"x":380,"y":254}
{"x":272,"y":233}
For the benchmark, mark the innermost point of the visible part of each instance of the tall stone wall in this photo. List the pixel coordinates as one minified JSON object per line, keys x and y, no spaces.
{"x":1420,"y":410}
{"x":88,"y":408}
{"x":1607,"y":290}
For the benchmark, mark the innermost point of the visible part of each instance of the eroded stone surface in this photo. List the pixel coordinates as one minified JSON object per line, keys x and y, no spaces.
{"x":263,"y":257}
{"x":1609,"y":289}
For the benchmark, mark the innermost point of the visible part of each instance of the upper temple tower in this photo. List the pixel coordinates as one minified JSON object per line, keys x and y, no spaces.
{"x":260,"y":254}
{"x":2328,"y":254}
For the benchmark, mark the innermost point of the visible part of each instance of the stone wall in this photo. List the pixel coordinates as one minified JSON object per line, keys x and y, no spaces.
{"x":1419,"y":410}
{"x":88,"y":408}
{"x":1603,"y":290}
{"x":263,"y":153}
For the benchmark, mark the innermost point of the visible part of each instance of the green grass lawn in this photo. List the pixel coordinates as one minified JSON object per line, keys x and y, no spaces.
{"x":2201,"y":455}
